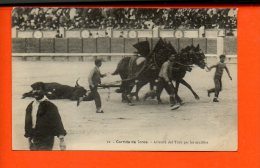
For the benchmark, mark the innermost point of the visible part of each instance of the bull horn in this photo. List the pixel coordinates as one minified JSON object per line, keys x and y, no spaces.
{"x":77,"y":84}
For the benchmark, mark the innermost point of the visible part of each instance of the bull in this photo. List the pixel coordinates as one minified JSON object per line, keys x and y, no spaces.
{"x":55,"y":90}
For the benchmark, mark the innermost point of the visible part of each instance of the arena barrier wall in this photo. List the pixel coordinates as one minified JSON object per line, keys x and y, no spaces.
{"x":110,"y":47}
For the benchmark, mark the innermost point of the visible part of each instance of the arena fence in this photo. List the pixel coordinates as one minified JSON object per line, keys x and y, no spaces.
{"x":81,"y":49}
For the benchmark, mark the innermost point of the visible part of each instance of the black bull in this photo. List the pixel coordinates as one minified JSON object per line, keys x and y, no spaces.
{"x":55,"y":90}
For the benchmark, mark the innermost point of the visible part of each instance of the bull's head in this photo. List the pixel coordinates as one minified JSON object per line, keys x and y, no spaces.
{"x":78,"y":91}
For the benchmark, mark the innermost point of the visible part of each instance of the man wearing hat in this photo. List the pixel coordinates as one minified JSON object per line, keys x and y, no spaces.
{"x":43,"y":122}
{"x":165,"y":82}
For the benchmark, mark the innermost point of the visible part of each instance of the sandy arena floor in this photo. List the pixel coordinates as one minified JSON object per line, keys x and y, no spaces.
{"x":197,"y":125}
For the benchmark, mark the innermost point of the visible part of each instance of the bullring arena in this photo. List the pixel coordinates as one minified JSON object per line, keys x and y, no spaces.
{"x":199,"y":125}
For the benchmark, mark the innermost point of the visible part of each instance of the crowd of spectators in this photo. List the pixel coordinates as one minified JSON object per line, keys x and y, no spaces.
{"x":122,"y":18}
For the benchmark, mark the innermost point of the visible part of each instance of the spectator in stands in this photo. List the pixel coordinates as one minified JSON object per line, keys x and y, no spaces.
{"x":58,"y":34}
{"x":122,"y":18}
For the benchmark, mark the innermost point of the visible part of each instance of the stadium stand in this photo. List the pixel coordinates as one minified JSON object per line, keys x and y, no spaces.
{"x":123,"y":18}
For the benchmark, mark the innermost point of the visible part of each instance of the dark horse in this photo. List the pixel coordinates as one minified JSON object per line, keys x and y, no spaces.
{"x":184,"y":62}
{"x":142,"y":70}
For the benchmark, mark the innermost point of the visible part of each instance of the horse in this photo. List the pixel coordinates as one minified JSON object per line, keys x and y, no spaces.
{"x":140,"y":70}
{"x":148,"y":70}
{"x":184,"y":62}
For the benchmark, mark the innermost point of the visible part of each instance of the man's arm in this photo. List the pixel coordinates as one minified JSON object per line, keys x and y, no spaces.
{"x":28,"y":121}
{"x":103,"y":75}
{"x":165,"y":72}
{"x":228,"y":73}
{"x":213,"y":66}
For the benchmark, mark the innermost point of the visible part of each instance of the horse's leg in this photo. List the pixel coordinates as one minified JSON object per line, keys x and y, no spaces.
{"x":152,"y":84}
{"x":159,"y":89}
{"x":127,"y":93}
{"x":124,"y":91}
{"x":176,"y":92}
{"x":123,"y":87}
{"x":139,"y":85}
{"x":189,"y":87}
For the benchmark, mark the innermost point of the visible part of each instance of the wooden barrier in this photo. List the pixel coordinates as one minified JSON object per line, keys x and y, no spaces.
{"x":110,"y":46}
{"x":75,"y":45}
{"x":61,"y":45}
{"x":18,"y":45}
{"x":117,"y":45}
{"x":89,"y":45}
{"x":230,"y":45}
{"x":103,"y":45}
{"x":47,"y":45}
{"x":211,"y":46}
{"x":32,"y":45}
{"x":202,"y":43}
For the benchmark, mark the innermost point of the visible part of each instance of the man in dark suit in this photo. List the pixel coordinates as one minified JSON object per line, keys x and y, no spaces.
{"x":43,"y":122}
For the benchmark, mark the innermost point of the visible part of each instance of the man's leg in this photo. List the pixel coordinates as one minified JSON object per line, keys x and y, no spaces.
{"x":172,"y":93}
{"x":97,"y":99}
{"x":217,"y":88}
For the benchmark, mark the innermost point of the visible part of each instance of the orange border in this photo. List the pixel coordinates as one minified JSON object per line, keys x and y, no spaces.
{"x":248,"y":154}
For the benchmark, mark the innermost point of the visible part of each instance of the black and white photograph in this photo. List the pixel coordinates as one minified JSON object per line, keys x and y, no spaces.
{"x":124,"y":79}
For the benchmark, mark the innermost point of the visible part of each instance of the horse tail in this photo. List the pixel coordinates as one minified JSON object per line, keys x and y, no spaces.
{"x":122,"y":65}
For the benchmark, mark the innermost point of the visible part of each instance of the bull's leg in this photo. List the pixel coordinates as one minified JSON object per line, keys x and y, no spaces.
{"x":190,"y":88}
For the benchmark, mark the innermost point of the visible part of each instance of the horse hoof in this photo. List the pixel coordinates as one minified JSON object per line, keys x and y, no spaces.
{"x":197,"y":97}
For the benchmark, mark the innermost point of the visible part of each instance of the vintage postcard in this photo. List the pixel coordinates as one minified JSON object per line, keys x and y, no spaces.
{"x":124,"y":79}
